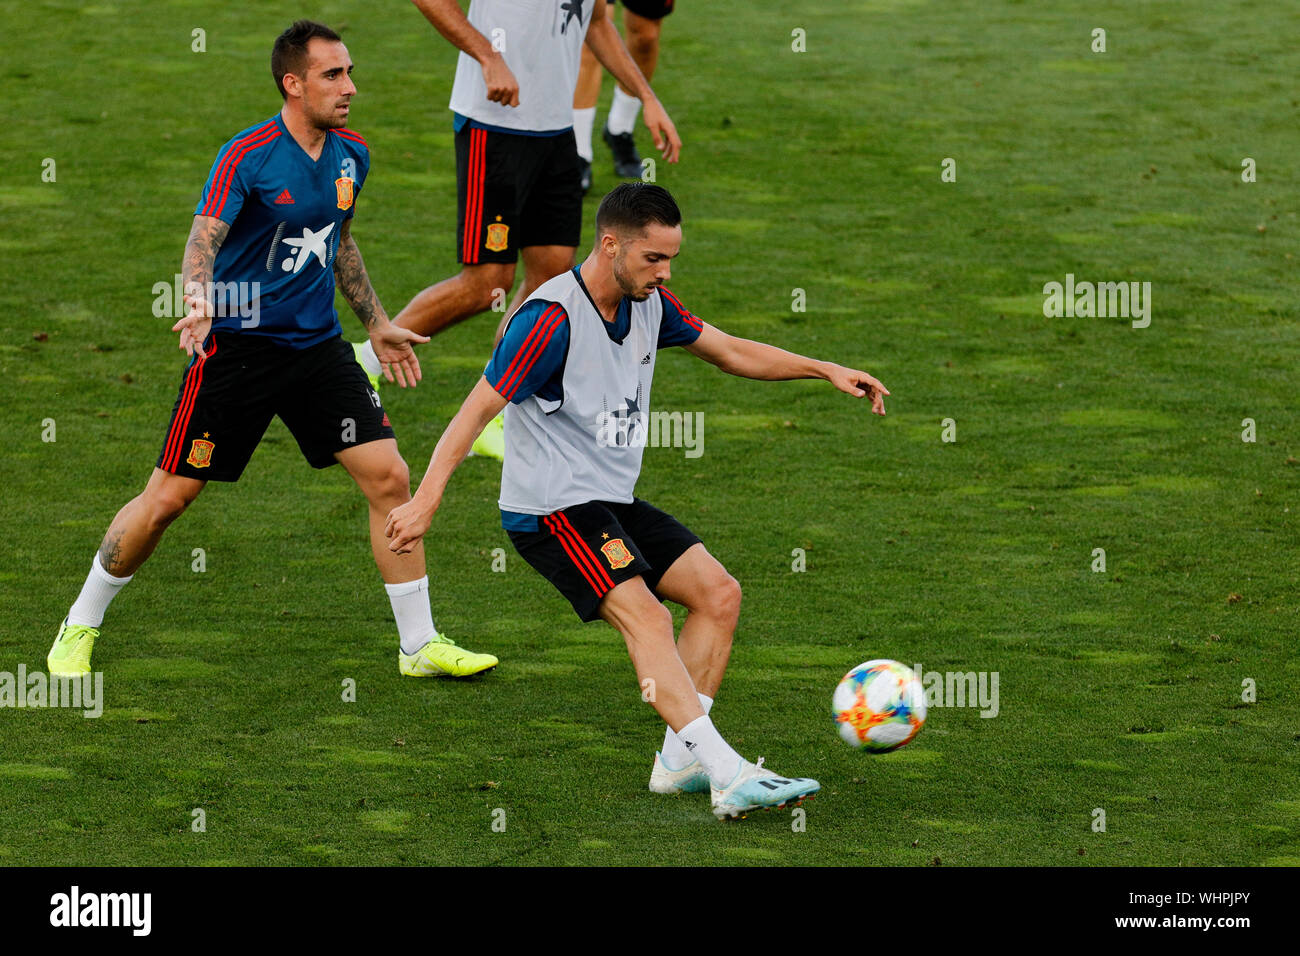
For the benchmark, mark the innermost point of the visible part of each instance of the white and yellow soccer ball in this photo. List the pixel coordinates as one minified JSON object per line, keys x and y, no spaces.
{"x":879,"y":706}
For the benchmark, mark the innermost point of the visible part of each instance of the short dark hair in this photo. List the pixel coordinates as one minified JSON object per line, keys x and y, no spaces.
{"x":289,"y":55}
{"x":630,"y":207}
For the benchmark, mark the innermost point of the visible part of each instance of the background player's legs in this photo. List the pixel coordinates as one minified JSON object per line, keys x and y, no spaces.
{"x":587,"y":92}
{"x":641,"y":34}
{"x":647,"y":628}
{"x":468,"y":293}
{"x":541,"y":263}
{"x":642,"y":37}
{"x":585,"y":95}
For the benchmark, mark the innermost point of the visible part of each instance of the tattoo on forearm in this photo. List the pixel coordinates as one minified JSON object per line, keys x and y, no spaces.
{"x":354,"y":283}
{"x":206,"y":236}
{"x":110,"y":551}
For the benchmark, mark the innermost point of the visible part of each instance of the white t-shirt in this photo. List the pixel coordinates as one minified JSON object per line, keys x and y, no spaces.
{"x":541,"y":42}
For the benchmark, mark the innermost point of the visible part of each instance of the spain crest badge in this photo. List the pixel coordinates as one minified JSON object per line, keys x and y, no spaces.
{"x":616,"y":553}
{"x":497,"y":236}
{"x":200,"y":453}
{"x":343,"y":187}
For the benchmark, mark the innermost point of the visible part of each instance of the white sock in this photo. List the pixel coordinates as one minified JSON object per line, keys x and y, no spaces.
{"x":410,"y":601}
{"x":583,"y":121}
{"x":703,"y":740}
{"x":622,"y":112}
{"x":96,"y":594}
{"x":369,"y":360}
{"x":674,"y":754}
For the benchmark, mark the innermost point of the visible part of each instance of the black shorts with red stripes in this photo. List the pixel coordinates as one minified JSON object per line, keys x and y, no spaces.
{"x":585,"y":550}
{"x":228,"y":399}
{"x":515,"y":191}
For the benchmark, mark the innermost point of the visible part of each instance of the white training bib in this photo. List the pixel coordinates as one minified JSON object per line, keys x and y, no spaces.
{"x":588,"y":445}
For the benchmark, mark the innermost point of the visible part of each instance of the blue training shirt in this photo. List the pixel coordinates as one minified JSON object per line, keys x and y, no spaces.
{"x":285,"y":212}
{"x":529,"y":359}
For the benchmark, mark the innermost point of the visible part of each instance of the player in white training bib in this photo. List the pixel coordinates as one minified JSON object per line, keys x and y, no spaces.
{"x":574,"y":371}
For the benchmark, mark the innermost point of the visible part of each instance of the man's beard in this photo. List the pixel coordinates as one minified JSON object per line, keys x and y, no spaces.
{"x":329,"y":119}
{"x":634,"y":292}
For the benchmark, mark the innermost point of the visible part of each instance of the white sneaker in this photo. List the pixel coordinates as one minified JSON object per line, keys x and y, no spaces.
{"x":690,"y":779}
{"x":754,"y":788}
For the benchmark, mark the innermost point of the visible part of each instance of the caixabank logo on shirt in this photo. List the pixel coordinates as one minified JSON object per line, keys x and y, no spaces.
{"x":310,"y":243}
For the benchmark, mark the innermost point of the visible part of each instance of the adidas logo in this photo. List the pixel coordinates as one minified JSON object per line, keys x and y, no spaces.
{"x":646,"y":360}
{"x":284,"y":199}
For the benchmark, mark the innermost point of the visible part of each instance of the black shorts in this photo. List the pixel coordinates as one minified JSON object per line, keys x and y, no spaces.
{"x":650,"y":9}
{"x":514,"y":191}
{"x":227,"y":399}
{"x":585,"y":550}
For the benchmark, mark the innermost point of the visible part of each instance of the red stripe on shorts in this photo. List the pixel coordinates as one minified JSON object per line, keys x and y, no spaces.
{"x":600,"y":568}
{"x":175,"y":438}
{"x":554,"y":527}
{"x":474,"y":195}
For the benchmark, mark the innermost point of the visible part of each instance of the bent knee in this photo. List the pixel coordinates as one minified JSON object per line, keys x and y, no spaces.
{"x":723,"y":598}
{"x":164,"y":505}
{"x":652,"y":622}
{"x":635,"y":611}
{"x":392,"y":483}
{"x":642,"y":34}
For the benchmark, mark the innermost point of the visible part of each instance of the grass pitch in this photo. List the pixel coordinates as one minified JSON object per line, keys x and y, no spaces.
{"x":1120,"y":691}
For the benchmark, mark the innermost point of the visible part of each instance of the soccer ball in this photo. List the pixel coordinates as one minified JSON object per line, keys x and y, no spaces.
{"x":879,"y":706}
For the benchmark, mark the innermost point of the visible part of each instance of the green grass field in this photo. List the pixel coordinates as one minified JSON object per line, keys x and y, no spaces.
{"x":818,"y":171}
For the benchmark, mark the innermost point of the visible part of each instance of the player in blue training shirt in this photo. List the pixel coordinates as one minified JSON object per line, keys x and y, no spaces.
{"x":271,"y":238}
{"x":578,"y":357}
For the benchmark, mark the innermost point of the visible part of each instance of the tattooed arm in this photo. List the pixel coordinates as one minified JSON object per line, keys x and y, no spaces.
{"x":206,"y":237}
{"x":354,"y":282}
{"x":392,"y":343}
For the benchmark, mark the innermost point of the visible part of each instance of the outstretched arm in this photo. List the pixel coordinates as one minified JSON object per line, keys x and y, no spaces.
{"x":750,"y":359}
{"x":603,"y":41}
{"x":449,"y":20}
{"x":408,"y":523}
{"x":206,"y":236}
{"x":392,"y":344}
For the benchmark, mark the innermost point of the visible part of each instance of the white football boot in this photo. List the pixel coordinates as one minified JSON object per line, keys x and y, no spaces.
{"x":690,"y":779}
{"x":754,"y":788}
